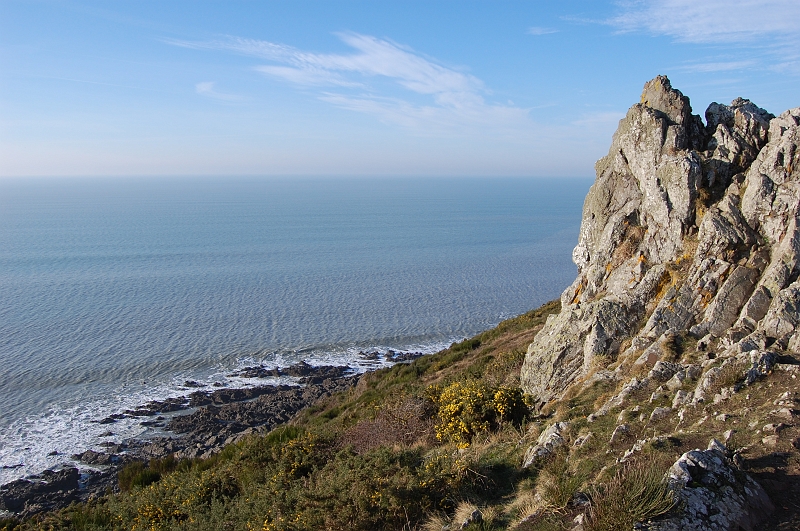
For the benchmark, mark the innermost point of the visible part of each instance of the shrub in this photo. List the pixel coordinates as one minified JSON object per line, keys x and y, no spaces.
{"x":637,"y":492}
{"x":471,"y":407}
{"x":509,"y":402}
{"x":137,"y":475}
{"x":405,"y":421}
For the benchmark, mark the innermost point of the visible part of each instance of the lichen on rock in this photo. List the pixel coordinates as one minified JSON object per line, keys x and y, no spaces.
{"x":689,"y":230}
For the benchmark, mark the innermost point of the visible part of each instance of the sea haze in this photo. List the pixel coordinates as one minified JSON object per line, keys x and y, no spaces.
{"x":116,"y":291}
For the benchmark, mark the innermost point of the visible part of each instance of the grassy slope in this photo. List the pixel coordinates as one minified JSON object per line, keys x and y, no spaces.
{"x":370,"y":459}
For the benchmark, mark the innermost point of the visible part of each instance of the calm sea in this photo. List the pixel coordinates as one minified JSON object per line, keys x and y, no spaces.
{"x":116,"y":291}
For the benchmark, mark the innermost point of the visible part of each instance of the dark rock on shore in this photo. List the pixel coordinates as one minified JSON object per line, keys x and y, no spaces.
{"x":223,"y":416}
{"x":211,"y":427}
{"x":90,"y":457}
{"x":301,"y":369}
{"x":44,"y":492}
{"x":402,"y":357}
{"x":390,"y":356}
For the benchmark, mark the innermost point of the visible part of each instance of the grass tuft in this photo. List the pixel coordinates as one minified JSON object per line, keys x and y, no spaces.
{"x":637,"y":492}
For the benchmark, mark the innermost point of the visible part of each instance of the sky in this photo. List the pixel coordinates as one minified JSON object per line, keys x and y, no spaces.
{"x":365,"y":88}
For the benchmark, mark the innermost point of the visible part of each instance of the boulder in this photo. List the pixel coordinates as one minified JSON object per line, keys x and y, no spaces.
{"x":548,"y":440}
{"x":713,"y":494}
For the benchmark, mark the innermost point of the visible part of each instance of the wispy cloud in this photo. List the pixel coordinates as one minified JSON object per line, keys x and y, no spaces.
{"x":711,"y":21}
{"x":206,"y":88}
{"x":421,"y":93}
{"x":540,"y":30}
{"x":718,"y":66}
{"x":765,"y":32}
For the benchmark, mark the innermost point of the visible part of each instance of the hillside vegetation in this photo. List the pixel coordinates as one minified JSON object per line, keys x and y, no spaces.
{"x":439,"y":444}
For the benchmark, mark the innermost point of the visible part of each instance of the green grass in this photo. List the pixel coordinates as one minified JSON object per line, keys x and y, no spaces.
{"x":369,"y":459}
{"x":637,"y":492}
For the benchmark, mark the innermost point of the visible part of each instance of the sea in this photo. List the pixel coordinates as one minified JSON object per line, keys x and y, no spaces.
{"x":116,"y":291}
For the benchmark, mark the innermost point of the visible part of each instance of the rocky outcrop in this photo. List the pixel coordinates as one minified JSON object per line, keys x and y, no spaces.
{"x":221,"y":417}
{"x":714,"y":494}
{"x":43,"y":492}
{"x":549,"y":440}
{"x":689,"y":234}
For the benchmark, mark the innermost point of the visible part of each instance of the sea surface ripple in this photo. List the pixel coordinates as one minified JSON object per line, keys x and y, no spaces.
{"x":115,"y":291}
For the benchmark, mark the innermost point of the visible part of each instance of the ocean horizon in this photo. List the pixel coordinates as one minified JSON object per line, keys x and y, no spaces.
{"x":116,"y":291}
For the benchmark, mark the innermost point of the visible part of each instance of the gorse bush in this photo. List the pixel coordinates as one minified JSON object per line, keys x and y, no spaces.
{"x":511,"y":404}
{"x":466,"y":408}
{"x":137,"y":475}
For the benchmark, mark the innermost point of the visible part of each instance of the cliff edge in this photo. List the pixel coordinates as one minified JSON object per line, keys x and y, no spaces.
{"x":689,"y":235}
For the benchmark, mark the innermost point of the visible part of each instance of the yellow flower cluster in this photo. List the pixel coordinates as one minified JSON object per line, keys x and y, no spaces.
{"x":463,"y":411}
{"x":507,"y":401}
{"x":470,"y":407}
{"x":175,"y":498}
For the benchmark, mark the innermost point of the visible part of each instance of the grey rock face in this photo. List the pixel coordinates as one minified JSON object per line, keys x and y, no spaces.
{"x":737,"y":133}
{"x":548,"y":440}
{"x":688,"y":231}
{"x":714,"y":495}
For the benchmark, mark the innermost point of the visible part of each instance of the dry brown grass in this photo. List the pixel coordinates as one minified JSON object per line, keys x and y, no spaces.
{"x":404,"y":422}
{"x":637,"y":492}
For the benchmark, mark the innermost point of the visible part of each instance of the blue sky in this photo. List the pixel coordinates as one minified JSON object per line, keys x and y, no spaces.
{"x":365,"y":88}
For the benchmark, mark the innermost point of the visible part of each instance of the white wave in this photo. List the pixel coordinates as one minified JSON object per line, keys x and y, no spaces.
{"x":36,"y":443}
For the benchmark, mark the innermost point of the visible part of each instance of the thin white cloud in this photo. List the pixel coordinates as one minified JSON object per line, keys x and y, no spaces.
{"x":540,"y":30}
{"x":431,"y":119}
{"x":305,"y":76}
{"x":420,"y":92}
{"x":599,"y":119}
{"x":711,"y":21}
{"x":718,"y":66}
{"x":206,"y":88}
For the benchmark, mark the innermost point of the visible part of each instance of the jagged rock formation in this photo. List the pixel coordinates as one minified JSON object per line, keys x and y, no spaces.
{"x":714,"y":495}
{"x":687,"y":284}
{"x":689,"y":231}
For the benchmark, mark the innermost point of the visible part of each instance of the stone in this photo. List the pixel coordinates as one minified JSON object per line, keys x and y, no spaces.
{"x":784,"y":313}
{"x":681,"y":398}
{"x":659,"y":413}
{"x":659,"y":394}
{"x":723,"y":311}
{"x":727,"y":436}
{"x":786,"y":413}
{"x":582,"y":440}
{"x":550,"y":439}
{"x":763,"y":363}
{"x":578,"y":523}
{"x":688,"y":229}
{"x":567,"y":345}
{"x":47,"y":491}
{"x":663,"y":371}
{"x":475,"y":518}
{"x":620,"y":432}
{"x":770,"y":440}
{"x":90,"y":457}
{"x":617,"y":400}
{"x":713,"y":495}
{"x":737,"y":133}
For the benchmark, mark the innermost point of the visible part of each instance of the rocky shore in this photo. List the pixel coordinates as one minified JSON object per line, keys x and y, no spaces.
{"x":197,"y":425}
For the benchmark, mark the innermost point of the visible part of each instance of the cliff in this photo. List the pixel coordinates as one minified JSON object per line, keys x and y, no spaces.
{"x":687,"y":291}
{"x":689,"y":232}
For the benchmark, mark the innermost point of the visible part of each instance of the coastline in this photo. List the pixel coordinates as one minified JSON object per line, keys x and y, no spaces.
{"x":198,"y":425}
